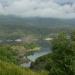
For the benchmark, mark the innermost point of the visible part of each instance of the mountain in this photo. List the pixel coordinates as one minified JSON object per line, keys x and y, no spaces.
{"x":36,"y":21}
{"x":15,"y":27}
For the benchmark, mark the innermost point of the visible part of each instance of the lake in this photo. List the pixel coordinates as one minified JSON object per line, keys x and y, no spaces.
{"x":45,"y":49}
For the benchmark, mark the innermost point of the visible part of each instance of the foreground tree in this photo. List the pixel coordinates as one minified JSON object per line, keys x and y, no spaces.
{"x":62,"y":56}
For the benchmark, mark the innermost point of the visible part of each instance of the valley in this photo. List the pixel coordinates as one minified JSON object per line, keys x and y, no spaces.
{"x":29,"y":47}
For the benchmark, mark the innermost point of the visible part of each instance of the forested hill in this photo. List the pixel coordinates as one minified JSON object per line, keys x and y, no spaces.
{"x":36,"y":21}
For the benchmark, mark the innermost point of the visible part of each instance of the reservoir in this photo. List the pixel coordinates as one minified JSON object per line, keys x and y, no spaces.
{"x":45,"y":49}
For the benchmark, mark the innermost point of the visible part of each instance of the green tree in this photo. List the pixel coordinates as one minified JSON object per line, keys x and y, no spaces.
{"x":73,"y":36}
{"x":63,"y":54}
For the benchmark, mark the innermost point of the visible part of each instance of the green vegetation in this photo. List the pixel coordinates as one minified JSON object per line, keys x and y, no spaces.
{"x":62,"y":60}
{"x":31,"y":46}
{"x":9,"y":63}
{"x":11,"y":69}
{"x":7,"y":54}
{"x":12,"y":27}
{"x":63,"y":56}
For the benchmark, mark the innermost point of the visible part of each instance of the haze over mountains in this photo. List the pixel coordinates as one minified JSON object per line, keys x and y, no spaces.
{"x":37,"y":21}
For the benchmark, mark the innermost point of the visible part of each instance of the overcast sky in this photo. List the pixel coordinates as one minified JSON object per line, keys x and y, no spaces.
{"x":38,"y":8}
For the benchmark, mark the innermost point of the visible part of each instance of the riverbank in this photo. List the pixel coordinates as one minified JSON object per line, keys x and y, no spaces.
{"x":35,"y":55}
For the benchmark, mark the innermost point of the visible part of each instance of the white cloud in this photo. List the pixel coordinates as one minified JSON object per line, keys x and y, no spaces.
{"x":40,"y":8}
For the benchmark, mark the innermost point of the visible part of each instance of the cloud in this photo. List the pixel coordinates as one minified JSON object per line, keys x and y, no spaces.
{"x":38,"y":8}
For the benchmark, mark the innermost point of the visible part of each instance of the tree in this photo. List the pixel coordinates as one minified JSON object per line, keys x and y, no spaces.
{"x":63,"y":54}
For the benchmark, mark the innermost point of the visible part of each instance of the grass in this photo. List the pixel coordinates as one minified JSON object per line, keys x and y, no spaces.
{"x":8,"y":63}
{"x":11,"y":69}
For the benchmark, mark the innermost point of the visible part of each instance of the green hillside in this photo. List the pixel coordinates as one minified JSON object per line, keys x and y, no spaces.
{"x":11,"y":69}
{"x":8,"y":63}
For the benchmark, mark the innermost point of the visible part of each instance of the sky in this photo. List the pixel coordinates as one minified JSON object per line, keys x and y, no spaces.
{"x":38,"y":8}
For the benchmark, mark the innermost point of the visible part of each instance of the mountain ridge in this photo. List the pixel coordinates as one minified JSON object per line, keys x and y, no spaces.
{"x":36,"y":21}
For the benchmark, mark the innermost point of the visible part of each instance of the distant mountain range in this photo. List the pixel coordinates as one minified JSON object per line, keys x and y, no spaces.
{"x":14,"y":27}
{"x":37,"y":21}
